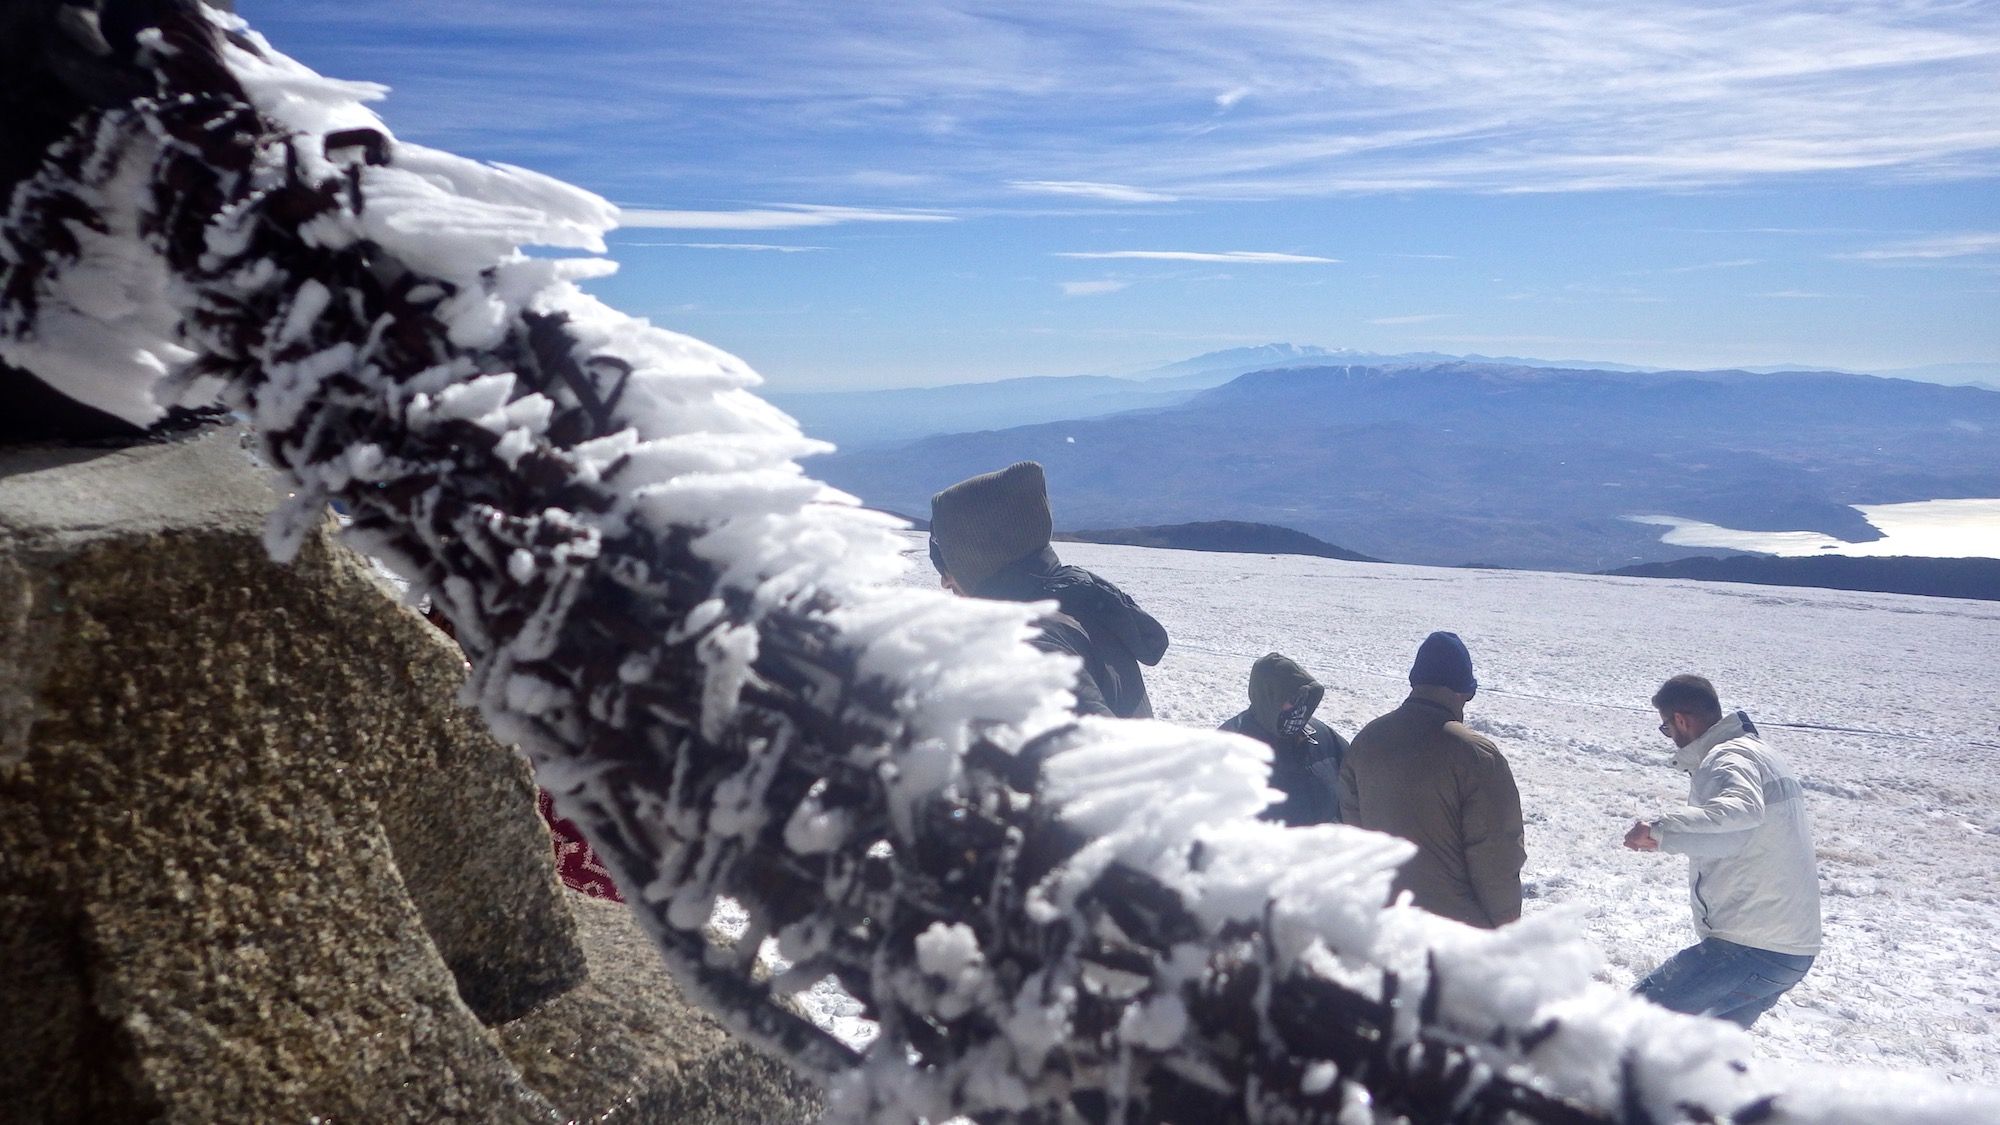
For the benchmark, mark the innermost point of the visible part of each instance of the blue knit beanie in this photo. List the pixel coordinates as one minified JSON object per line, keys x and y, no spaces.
{"x":1443,"y":661}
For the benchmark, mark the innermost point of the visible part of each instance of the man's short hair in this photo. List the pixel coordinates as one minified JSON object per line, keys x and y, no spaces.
{"x":1688,"y":694}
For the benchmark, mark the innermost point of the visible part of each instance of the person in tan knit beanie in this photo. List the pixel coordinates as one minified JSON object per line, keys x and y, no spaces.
{"x":990,"y":539}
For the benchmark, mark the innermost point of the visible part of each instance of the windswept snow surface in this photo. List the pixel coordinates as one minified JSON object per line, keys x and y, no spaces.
{"x":1883,"y":703}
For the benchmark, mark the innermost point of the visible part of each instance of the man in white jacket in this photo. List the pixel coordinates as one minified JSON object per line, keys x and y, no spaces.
{"x":1752,"y":878}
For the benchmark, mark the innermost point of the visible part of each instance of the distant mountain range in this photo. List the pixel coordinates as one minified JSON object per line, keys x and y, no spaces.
{"x":1985,"y":375}
{"x":1264,"y":357}
{"x":876,"y":418}
{"x":1232,"y":536}
{"x":1502,"y":464}
{"x":872,"y":419}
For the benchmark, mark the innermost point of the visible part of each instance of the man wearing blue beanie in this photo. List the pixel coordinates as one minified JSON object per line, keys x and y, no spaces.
{"x":1443,"y":660}
{"x":1420,"y":773}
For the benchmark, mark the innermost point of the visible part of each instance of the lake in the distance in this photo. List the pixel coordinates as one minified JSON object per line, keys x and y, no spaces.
{"x":1944,"y":529}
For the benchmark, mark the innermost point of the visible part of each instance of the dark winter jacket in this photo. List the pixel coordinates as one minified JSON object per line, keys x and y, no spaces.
{"x":1306,"y":771}
{"x":1420,"y":773}
{"x":1306,"y":768}
{"x":1098,"y":623}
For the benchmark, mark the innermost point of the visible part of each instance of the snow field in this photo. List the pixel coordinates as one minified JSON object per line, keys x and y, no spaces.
{"x":1881,"y":702}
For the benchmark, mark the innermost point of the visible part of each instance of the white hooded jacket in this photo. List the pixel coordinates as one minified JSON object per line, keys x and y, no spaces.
{"x":1752,"y":878}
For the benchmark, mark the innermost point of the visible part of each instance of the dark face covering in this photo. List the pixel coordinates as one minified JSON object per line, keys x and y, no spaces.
{"x":1292,"y":719}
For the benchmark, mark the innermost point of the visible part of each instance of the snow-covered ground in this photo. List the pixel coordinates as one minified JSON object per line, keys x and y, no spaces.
{"x":1885,"y":705}
{"x":1944,"y":529}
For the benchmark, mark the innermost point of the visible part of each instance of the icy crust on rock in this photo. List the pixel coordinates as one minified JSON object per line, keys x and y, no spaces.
{"x":694,"y":454}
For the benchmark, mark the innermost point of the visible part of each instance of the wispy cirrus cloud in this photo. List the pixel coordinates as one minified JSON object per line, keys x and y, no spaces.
{"x":784,"y":216}
{"x":1966,"y":245}
{"x":758,"y":246}
{"x":1586,"y":293}
{"x":1703,"y":267}
{"x":1266,"y":98}
{"x":1240,"y":257}
{"x":1414,"y":318}
{"x":1552,"y":339}
{"x":1091,"y":288}
{"x":1112,"y":193}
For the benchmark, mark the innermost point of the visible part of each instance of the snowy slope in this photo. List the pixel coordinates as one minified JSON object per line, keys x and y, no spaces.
{"x":1882,"y":702}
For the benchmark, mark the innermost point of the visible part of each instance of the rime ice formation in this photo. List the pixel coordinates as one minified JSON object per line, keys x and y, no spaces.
{"x":697,"y":645}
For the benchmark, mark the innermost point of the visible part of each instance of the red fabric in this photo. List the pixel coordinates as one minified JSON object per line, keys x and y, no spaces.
{"x":579,"y":867}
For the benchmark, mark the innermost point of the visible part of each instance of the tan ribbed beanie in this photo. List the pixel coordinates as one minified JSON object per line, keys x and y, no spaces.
{"x":983,"y":523}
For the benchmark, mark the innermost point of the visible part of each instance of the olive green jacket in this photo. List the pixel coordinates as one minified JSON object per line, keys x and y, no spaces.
{"x":1420,"y":773}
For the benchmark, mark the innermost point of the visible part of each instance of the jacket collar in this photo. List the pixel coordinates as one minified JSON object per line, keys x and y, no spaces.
{"x":1097,"y":604}
{"x":1729,"y":726}
{"x":1022,"y":579}
{"x":1439,"y":697}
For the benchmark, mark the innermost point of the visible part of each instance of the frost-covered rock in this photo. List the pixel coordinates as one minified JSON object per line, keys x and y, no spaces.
{"x":254,"y":862}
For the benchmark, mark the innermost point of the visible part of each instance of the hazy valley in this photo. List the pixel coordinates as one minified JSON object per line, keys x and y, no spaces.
{"x":1455,"y":463}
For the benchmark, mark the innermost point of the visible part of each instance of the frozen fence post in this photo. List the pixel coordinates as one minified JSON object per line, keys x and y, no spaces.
{"x":695,"y":644}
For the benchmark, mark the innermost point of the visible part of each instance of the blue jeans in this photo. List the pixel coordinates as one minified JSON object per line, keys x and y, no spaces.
{"x":1723,"y":979}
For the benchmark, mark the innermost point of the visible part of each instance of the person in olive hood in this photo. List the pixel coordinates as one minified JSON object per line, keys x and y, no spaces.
{"x":990,"y":539}
{"x":1305,"y":753}
{"x":1420,"y":773}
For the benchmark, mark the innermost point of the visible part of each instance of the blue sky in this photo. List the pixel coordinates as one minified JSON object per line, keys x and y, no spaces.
{"x":897,"y":193}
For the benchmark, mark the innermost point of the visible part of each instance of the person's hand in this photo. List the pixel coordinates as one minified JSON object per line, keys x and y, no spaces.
{"x":1641,"y":839}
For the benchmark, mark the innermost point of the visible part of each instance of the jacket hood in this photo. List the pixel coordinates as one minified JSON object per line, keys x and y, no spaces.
{"x":1275,"y":681}
{"x":1095,"y":602}
{"x":1729,"y":726}
{"x":982,"y":524}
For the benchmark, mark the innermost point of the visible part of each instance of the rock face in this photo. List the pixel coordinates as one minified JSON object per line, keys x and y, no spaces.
{"x":255,"y":864}
{"x":626,"y":1041}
